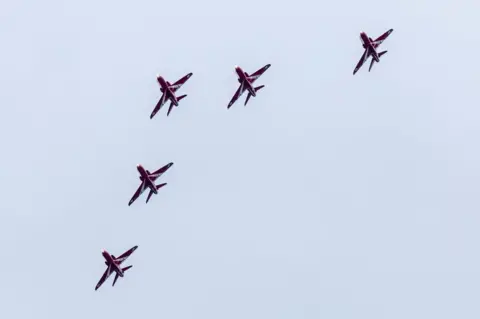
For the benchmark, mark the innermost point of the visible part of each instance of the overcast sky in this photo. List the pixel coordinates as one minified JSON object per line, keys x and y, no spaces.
{"x":328,"y":196}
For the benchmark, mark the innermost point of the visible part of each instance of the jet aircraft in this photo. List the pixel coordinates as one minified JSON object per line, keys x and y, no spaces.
{"x":168,"y":91}
{"x":114,"y":265}
{"x":148,"y":181}
{"x":370,"y":47}
{"x":246,"y":83}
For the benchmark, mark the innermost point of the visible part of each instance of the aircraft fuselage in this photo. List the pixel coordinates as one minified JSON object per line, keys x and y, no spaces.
{"x":368,"y":44}
{"x":146,"y":178}
{"x":165,"y":88}
{"x":109,"y":261}
{"x":242,"y":78}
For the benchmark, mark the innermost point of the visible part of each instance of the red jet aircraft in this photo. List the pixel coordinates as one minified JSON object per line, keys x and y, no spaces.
{"x":148,"y":181}
{"x":168,"y":91}
{"x":246,"y":82}
{"x":370,"y":47}
{"x":113,"y":265}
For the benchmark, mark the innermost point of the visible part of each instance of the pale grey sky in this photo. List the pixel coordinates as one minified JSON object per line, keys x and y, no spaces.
{"x":328,"y":196}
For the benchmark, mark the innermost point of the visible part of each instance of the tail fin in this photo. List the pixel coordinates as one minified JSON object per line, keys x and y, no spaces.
{"x":151,"y":192}
{"x":127,"y":268}
{"x":181,"y":97}
{"x":382,"y":53}
{"x":256,"y":90}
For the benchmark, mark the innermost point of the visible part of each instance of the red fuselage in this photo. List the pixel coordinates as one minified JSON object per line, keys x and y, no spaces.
{"x":109,"y":261}
{"x":144,"y":177}
{"x":365,"y":40}
{"x":242,"y":78}
{"x":165,"y":88}
{"x":368,"y":44}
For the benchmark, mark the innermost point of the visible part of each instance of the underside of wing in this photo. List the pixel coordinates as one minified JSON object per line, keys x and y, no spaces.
{"x":160,"y":171}
{"x":105,"y":276}
{"x":237,"y":94}
{"x":125,"y":255}
{"x":175,"y":86}
{"x":139,"y":192}
{"x":361,"y":61}
{"x":381,"y":38}
{"x":159,"y":105}
{"x":258,"y":73}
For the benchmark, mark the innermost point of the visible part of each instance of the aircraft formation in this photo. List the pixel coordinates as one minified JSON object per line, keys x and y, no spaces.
{"x":168,"y":90}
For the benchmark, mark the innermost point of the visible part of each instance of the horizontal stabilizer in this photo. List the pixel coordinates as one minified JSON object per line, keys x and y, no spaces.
{"x":371,"y":64}
{"x":170,"y":108}
{"x":160,"y":186}
{"x":117,"y":275}
{"x":172,"y":104}
{"x":248,"y":98}
{"x":249,"y":94}
{"x":181,"y":97}
{"x":373,"y":61}
{"x":151,"y":192}
{"x":115,"y":280}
